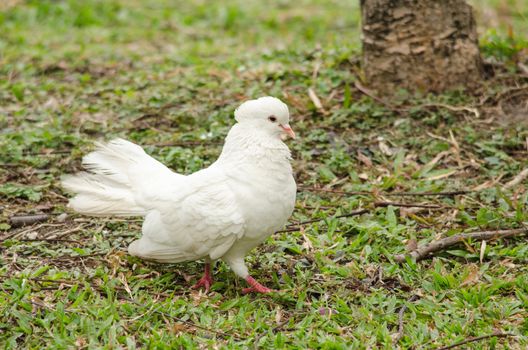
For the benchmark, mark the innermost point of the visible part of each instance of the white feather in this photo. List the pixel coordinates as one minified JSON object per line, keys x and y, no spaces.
{"x":115,"y":171}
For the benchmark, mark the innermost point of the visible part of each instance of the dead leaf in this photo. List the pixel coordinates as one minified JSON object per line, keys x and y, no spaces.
{"x":517,"y":179}
{"x":487,"y":184}
{"x":411,"y":245}
{"x":442,"y":176}
{"x":405,"y":212}
{"x":278,"y":316}
{"x":473,"y":276}
{"x":115,"y":261}
{"x":482,"y":250}
{"x":508,"y":263}
{"x":178,"y":328}
{"x":315,"y":100}
{"x":456,"y":148}
{"x":523,"y":67}
{"x":315,"y":72}
{"x":198,"y":296}
{"x":80,"y":342}
{"x":384,"y":148}
{"x":364,"y":159}
{"x":186,"y":277}
{"x":431,"y":164}
{"x":123,"y":280}
{"x":307,"y":244}
{"x":62,"y":217}
{"x":51,"y":104}
{"x":327,"y":311}
{"x":32,"y":235}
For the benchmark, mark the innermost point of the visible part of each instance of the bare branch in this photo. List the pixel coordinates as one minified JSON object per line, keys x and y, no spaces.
{"x":517,"y":179}
{"x":397,"y":336}
{"x":17,"y":221}
{"x":425,"y":250}
{"x":470,"y":340}
{"x":407,"y":205}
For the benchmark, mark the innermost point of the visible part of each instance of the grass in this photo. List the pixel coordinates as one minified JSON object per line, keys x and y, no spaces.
{"x":168,"y":76}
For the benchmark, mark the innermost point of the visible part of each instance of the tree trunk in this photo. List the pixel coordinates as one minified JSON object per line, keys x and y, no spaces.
{"x":419,"y":45}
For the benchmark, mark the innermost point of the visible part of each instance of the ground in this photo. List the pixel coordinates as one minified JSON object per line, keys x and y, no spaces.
{"x":168,"y":76}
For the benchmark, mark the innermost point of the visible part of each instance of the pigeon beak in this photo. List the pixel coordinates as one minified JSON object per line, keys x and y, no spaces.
{"x":288,"y":130}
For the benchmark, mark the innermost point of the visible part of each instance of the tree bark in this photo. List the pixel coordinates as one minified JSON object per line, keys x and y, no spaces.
{"x":419,"y":45}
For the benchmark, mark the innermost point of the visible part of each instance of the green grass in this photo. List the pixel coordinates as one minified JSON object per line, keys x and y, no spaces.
{"x":168,"y":76}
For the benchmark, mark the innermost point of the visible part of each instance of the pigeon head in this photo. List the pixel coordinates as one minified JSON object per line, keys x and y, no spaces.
{"x":268,"y":114}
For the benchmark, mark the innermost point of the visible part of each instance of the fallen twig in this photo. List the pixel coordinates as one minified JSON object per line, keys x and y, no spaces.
{"x":46,"y":152}
{"x":297,"y":226}
{"x":348,"y":193}
{"x":186,"y":143}
{"x":517,"y":179}
{"x":21,"y":232}
{"x":441,"y":244}
{"x":447,"y":194}
{"x":474,"y":339}
{"x":316,"y":101}
{"x":58,"y":234}
{"x":407,"y":205}
{"x":396,"y":337}
{"x":395,"y":194}
{"x":17,"y":221}
{"x":473,"y":110}
{"x":49,"y":240}
{"x":49,"y":236}
{"x":505,"y":93}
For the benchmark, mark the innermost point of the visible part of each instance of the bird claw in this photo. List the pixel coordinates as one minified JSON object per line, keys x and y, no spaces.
{"x":205,"y":282}
{"x":255,"y":287}
{"x":262,"y":289}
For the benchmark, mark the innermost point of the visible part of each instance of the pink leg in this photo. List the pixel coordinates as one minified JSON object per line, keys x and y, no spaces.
{"x":207,"y":280}
{"x":255,"y":287}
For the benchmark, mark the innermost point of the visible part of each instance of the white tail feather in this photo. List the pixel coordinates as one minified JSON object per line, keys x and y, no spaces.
{"x":117,"y":170}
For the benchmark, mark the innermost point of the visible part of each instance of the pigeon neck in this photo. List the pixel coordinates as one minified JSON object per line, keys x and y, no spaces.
{"x":244,"y":142}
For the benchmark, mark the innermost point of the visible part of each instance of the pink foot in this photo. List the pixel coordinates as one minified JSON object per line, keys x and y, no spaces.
{"x":255,"y":287}
{"x":206,"y":281}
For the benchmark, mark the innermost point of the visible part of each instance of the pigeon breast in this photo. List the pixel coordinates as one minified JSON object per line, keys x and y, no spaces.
{"x":260,"y":176}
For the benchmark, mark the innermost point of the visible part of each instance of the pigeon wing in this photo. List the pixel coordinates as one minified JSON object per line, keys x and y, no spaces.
{"x":200,"y":217}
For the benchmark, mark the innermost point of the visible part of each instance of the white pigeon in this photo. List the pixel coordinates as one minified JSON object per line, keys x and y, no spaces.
{"x":221,"y":212}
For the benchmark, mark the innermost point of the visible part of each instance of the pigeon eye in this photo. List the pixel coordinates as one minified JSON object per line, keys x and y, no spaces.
{"x":272,"y":118}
